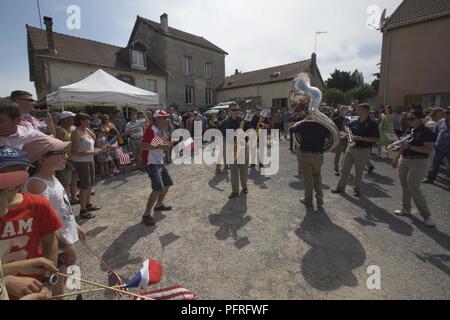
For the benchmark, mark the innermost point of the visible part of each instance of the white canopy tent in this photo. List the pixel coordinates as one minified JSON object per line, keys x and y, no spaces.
{"x":102,"y":89}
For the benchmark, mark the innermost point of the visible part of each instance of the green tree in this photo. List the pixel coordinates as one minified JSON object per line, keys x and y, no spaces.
{"x":362,"y":93}
{"x":341,"y":80}
{"x":333,"y":97}
{"x":357,"y":78}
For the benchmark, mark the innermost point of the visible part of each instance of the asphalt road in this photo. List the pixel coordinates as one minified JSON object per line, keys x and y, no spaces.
{"x":267,"y":245}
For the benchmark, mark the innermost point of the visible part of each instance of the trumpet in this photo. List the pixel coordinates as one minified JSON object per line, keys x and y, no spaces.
{"x":350,"y":136}
{"x":397,"y":144}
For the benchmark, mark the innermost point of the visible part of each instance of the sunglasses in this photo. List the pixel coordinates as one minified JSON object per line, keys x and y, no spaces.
{"x":57,"y":153}
{"x":234,"y":110}
{"x":411,"y":119}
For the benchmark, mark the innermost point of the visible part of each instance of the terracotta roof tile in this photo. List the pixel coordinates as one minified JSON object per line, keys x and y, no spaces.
{"x":273,"y":74}
{"x":85,"y":51}
{"x":184,"y":36}
{"x":416,"y":11}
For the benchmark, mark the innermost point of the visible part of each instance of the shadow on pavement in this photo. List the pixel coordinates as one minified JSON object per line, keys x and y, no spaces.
{"x":94,"y":232}
{"x":377,"y":178}
{"x":439,"y":237}
{"x":257,"y":178}
{"x":375,"y":214}
{"x":117,"y":255}
{"x":440,"y":261}
{"x":230,"y":220}
{"x":334,"y":252}
{"x":218,"y":178}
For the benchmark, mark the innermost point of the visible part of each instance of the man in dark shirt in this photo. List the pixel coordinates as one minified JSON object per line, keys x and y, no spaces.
{"x":365,"y":133}
{"x":442,"y":148}
{"x":312,"y":141}
{"x":341,"y":122}
{"x":412,"y":165}
{"x":239,"y":172}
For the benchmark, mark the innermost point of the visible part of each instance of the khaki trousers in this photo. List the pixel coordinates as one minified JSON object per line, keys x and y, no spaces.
{"x":359,"y":158}
{"x":312,"y":166}
{"x":135,"y":146}
{"x":239,"y":172}
{"x":412,"y":172}
{"x":340,"y":150}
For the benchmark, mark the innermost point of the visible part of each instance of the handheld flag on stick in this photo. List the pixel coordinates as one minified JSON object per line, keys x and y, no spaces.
{"x":114,"y":280}
{"x":149,"y":274}
{"x":172,"y":293}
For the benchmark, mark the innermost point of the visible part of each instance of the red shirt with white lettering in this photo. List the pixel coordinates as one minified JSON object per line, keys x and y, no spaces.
{"x":22,"y":228}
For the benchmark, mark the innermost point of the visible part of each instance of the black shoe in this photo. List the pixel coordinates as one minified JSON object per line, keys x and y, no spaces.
{"x":427,"y":181}
{"x":84,"y":214}
{"x":337,"y":173}
{"x":148,"y":220}
{"x":233,"y":195}
{"x":370,"y":170}
{"x":245,"y":191}
{"x":163,"y":208}
{"x":91,"y":207}
{"x":357,"y":193}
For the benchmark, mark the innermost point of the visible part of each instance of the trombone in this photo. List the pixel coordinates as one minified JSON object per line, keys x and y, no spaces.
{"x":397,"y":144}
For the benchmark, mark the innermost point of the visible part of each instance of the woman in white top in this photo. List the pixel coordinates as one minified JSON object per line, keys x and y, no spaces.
{"x":49,"y":155}
{"x":83,"y":152}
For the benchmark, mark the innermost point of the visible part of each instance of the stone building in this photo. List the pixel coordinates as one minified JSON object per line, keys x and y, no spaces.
{"x":415,"y":65}
{"x":56,"y":60}
{"x":268,"y":87}
{"x":194,"y":66}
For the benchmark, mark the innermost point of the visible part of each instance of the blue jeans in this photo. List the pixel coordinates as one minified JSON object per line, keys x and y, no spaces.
{"x":159,"y":176}
{"x":437,"y":161}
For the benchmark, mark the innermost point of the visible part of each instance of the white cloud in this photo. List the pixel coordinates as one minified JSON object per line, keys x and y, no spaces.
{"x":256,"y":34}
{"x":260,"y":34}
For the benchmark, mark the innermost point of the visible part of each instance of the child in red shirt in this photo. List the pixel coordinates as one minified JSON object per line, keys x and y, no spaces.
{"x":28,"y":223}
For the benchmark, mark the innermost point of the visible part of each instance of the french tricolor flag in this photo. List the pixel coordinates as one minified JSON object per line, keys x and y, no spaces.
{"x":149,"y":274}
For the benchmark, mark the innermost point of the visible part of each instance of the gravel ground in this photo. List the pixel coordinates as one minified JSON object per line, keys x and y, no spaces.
{"x":267,"y":245}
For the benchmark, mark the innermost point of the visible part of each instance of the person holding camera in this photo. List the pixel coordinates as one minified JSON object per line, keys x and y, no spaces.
{"x":26,"y":105}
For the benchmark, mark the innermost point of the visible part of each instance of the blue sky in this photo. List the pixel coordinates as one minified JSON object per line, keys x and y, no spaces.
{"x":256,"y":34}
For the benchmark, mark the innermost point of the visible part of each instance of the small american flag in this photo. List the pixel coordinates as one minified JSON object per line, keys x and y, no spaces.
{"x":122,"y":152}
{"x":158,"y":140}
{"x":124,"y":155}
{"x":172,"y":293}
{"x":114,"y":280}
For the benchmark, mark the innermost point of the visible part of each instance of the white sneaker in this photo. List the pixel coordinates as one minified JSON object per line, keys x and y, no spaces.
{"x":428,"y":222}
{"x":402,"y":212}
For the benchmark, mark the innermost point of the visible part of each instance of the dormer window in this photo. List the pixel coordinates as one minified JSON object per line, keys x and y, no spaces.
{"x":137,"y":59}
{"x":275,"y":75}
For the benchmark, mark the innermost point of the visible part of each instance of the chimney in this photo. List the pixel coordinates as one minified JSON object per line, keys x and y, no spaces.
{"x":236,"y":71}
{"x":313,"y":63}
{"x":50,"y":40}
{"x":165,"y":23}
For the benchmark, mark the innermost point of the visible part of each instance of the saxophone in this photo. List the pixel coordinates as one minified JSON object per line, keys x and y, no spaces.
{"x":302,"y":84}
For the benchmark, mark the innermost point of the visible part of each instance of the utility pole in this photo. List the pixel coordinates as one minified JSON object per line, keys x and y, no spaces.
{"x":315,"y":42}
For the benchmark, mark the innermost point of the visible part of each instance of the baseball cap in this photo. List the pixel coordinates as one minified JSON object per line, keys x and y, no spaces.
{"x":14,"y":179}
{"x":19,"y":94}
{"x":66,"y":114}
{"x":10,"y":156}
{"x":160,"y":114}
{"x":43,"y":145}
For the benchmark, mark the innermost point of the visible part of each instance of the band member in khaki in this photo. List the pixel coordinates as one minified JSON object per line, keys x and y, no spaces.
{"x":312,"y":141}
{"x":413,"y":164}
{"x":239,"y":172}
{"x":365,"y":133}
{"x":341,"y":121}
